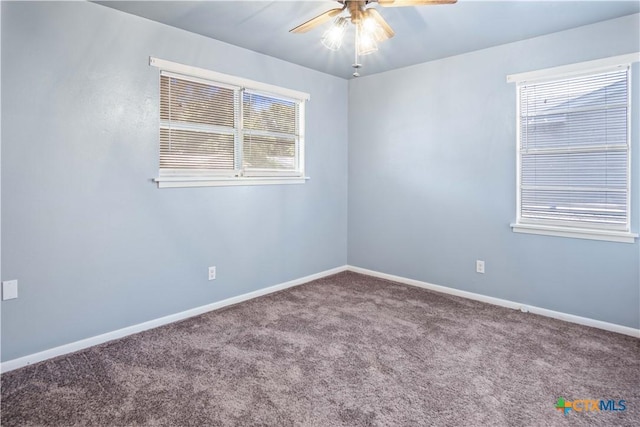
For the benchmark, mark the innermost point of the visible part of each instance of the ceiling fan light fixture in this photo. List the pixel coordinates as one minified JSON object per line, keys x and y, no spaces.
{"x":365,"y":41}
{"x":332,"y":38}
{"x":371,"y":27}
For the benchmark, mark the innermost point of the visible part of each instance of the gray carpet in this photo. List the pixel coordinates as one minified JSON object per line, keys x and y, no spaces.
{"x":346,"y":350}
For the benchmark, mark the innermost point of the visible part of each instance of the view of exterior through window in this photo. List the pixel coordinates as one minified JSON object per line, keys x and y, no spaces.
{"x":270,"y":130}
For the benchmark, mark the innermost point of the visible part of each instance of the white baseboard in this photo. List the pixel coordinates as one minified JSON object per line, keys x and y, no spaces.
{"x":626,"y":330}
{"x":10,"y":365}
{"x":120,"y":333}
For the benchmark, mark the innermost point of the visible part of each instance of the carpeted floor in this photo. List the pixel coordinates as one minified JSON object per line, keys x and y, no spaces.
{"x":346,"y":350}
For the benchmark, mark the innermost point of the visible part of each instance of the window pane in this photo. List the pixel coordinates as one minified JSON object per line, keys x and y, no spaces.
{"x":599,"y":169}
{"x":596,"y":90}
{"x":269,"y":114}
{"x":192,"y":102}
{"x":180,"y":149}
{"x":268,"y":152}
{"x":575,"y":129}
{"x":591,"y":208}
{"x":574,"y":150}
{"x":270,"y":132}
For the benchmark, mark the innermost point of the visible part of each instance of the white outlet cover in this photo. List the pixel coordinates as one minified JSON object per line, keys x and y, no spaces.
{"x":9,"y":289}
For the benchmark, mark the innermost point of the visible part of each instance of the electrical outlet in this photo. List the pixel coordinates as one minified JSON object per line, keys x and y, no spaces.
{"x":479,"y":266}
{"x":212,"y":273}
{"x":9,"y":289}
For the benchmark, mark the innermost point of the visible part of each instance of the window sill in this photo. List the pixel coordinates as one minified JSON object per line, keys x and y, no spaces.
{"x":177,"y":182}
{"x":577,"y":233}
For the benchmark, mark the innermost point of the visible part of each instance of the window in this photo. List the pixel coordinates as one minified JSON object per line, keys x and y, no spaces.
{"x":217,"y":129}
{"x":574,"y":154}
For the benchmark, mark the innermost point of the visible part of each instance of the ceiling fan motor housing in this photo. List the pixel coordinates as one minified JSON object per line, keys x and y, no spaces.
{"x":356,"y":10}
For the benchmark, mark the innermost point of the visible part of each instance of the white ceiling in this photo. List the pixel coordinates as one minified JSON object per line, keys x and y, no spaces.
{"x":423,"y":33}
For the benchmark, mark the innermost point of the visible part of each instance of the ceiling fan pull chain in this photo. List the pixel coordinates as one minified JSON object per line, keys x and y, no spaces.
{"x":356,"y":65}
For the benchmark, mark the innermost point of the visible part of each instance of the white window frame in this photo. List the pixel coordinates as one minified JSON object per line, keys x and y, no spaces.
{"x":558,"y":73}
{"x":185,"y":178}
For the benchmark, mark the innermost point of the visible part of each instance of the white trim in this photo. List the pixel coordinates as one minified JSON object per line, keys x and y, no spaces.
{"x":177,"y":182}
{"x":629,"y":144}
{"x":578,"y":233}
{"x":518,"y":159}
{"x":227,"y":79}
{"x":20,"y":362}
{"x":198,"y":174}
{"x":301,"y":136}
{"x":10,"y":365}
{"x":625,"y":330}
{"x":575,"y":69}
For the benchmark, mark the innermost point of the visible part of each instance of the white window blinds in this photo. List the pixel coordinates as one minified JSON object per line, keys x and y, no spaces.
{"x":218,"y":129}
{"x":198,"y":126}
{"x":574,"y":151}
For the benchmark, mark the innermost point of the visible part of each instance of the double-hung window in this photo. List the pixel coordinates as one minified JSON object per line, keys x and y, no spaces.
{"x":217,"y":129}
{"x":573,"y":154}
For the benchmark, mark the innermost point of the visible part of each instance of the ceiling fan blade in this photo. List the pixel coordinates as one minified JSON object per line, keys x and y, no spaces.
{"x":402,"y":3}
{"x":375,"y":15}
{"x":314,"y":22}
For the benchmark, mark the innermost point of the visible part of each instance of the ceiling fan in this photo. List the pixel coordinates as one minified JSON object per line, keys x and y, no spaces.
{"x":370,"y":26}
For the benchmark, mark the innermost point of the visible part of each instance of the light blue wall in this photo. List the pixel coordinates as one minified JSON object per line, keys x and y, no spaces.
{"x":97,"y":247}
{"x":94,"y":244}
{"x":432,"y":180}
